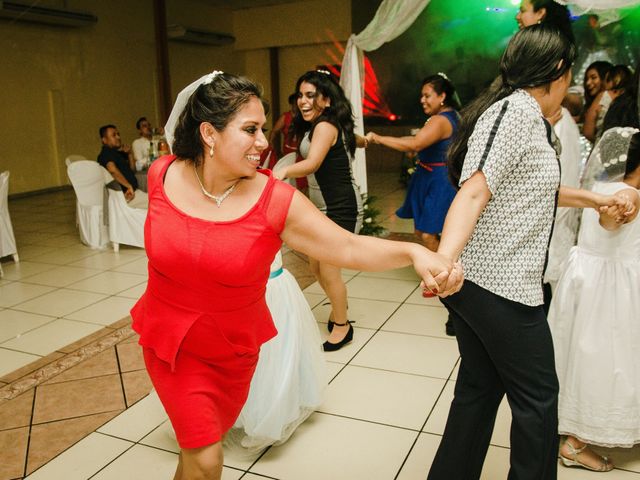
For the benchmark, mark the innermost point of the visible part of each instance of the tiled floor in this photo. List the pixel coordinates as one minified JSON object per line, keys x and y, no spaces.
{"x":85,"y":413}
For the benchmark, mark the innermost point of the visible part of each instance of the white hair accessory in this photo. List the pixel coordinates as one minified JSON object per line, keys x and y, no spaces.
{"x":608,"y":158}
{"x":181,"y":101}
{"x":211,"y":76}
{"x":443,"y":75}
{"x":326,"y":72}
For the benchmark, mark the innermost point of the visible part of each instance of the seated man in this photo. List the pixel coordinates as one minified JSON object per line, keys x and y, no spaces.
{"x":116,"y":158}
{"x":141,"y":145}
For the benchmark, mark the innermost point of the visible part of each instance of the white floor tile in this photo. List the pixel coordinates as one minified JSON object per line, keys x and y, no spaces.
{"x":137,"y":421}
{"x":14,"y":323}
{"x":329,"y":447}
{"x":162,"y":437}
{"x":346,"y":353}
{"x":314,"y":298}
{"x":11,"y":361}
{"x":316,"y":288}
{"x":82,"y":460}
{"x":59,"y":302}
{"x":139,"y":266}
{"x":105,"y":260}
{"x":140,"y":462}
{"x":399,"y":352}
{"x":418,"y":320}
{"x":17,"y":292}
{"x":332,"y":370}
{"x":66,"y":255}
{"x":51,"y":336}
{"x":134,"y":292}
{"x":417,"y":298}
{"x":380,"y":288}
{"x":385,"y":397}
{"x":496,"y":465}
{"x":406,"y":273}
{"x":61,"y":276}
{"x":365,"y":313}
{"x":105,"y":312}
{"x":18,"y":271}
{"x":109,"y":282}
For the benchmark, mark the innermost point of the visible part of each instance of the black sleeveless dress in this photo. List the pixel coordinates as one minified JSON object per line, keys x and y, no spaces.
{"x":334,"y":190}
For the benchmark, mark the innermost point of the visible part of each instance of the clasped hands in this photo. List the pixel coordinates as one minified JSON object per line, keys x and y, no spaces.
{"x":371,"y":138}
{"x":618,"y":206}
{"x":440,"y":275}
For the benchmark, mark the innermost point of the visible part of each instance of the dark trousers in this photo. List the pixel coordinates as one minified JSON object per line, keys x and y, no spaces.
{"x":506,"y":348}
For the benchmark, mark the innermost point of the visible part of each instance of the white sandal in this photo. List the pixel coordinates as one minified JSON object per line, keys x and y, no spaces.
{"x":605,"y":465}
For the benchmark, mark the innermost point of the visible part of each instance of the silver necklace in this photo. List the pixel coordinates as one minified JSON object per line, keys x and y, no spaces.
{"x":213,"y":197}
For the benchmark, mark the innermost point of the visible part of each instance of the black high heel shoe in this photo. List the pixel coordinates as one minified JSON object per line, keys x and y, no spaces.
{"x":332,"y":347}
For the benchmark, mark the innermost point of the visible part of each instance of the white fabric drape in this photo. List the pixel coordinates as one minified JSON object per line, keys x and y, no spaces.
{"x":605,"y":9}
{"x":392,"y":19}
{"x":587,"y":5}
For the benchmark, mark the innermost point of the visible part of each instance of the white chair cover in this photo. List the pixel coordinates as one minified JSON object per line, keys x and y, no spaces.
{"x":286,"y":161}
{"x":88,"y":181}
{"x":74,"y":158}
{"x":126,"y":224}
{"x":7,"y":238}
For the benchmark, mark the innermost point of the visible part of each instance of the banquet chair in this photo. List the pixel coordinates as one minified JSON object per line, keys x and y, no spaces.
{"x":88,"y":180}
{"x":126,"y":224}
{"x":7,"y":238}
{"x":74,"y":158}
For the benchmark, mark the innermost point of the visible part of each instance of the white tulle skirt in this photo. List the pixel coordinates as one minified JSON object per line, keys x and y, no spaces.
{"x":595,"y":322}
{"x":290,"y":378}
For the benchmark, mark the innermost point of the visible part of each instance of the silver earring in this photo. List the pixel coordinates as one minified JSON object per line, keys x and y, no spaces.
{"x":442,"y":104}
{"x":211,"y":151}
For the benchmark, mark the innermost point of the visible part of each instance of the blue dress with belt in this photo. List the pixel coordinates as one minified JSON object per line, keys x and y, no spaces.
{"x":430,"y":192}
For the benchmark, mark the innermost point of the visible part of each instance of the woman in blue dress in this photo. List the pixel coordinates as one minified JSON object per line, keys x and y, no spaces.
{"x":430,"y":192}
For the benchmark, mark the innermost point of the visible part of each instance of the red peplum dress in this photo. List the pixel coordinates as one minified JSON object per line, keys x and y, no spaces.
{"x":204,"y":316}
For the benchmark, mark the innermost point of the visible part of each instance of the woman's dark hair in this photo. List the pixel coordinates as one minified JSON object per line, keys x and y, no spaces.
{"x":623,"y":111}
{"x":339,"y":112}
{"x":535,"y":57}
{"x":633,"y":155}
{"x":556,"y":16}
{"x":619,"y":76}
{"x":602,"y":67}
{"x":443,"y":85}
{"x":216,"y":102}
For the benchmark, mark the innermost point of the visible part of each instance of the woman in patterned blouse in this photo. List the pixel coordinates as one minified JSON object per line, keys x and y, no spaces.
{"x":499,"y":227}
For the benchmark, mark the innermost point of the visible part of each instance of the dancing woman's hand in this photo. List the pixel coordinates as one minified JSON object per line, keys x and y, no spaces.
{"x":371,"y":137}
{"x":433,"y":268}
{"x":454,"y":281}
{"x":618,"y":206}
{"x":280,"y":174}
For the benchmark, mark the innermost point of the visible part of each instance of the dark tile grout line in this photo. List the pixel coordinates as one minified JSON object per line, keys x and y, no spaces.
{"x":124,"y":393}
{"x":426,"y":420}
{"x":48,"y":422}
{"x":26,"y":453}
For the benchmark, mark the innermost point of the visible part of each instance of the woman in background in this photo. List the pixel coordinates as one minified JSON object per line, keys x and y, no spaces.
{"x":325,"y":125}
{"x":430,"y":192}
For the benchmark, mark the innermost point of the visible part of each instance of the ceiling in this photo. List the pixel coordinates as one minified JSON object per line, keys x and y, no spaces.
{"x":241,"y":4}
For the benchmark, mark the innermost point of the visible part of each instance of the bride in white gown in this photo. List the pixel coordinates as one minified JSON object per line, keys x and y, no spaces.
{"x":595,"y":316}
{"x":290,"y":378}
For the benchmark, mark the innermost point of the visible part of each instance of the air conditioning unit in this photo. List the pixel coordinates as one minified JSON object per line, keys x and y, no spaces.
{"x":180,"y":33}
{"x":61,"y":17}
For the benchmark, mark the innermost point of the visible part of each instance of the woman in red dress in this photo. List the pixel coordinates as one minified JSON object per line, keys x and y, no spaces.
{"x":213,"y":227}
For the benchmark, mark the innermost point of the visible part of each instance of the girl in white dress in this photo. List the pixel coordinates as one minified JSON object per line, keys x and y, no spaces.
{"x":595,"y":312}
{"x":290,"y":378}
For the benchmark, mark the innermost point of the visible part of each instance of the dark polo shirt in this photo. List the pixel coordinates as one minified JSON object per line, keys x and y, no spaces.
{"x":121,"y":160}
